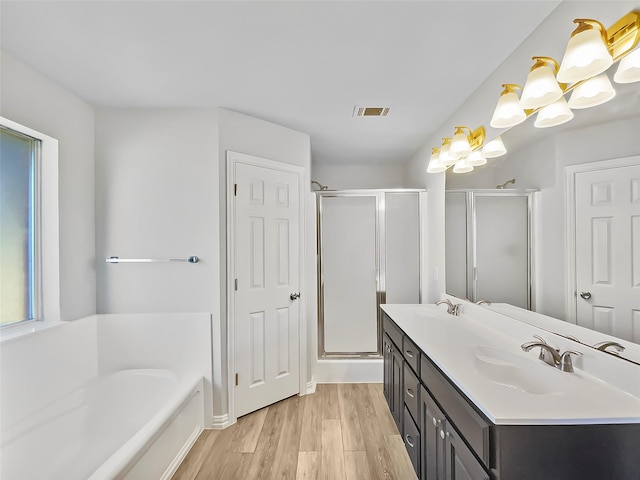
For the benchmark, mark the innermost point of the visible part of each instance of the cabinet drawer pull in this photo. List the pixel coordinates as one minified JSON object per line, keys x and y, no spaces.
{"x":409,"y":442}
{"x":448,"y":434}
{"x":410,"y":393}
{"x":442,"y":434}
{"x":409,"y":353}
{"x":436,"y":422}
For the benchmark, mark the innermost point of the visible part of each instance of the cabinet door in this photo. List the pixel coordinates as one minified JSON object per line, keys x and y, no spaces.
{"x":432,"y":425}
{"x":460,"y":464}
{"x":386,"y":355}
{"x":397,"y":385}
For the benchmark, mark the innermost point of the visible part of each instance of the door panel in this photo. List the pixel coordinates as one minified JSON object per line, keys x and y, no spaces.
{"x":608,"y":250}
{"x":267,"y":207}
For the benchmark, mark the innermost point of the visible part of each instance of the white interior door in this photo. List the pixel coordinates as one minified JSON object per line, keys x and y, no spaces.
{"x":267,"y":252}
{"x":608,"y":251}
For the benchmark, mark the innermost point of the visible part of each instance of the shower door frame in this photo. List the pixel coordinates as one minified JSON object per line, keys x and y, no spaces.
{"x":380,"y":249}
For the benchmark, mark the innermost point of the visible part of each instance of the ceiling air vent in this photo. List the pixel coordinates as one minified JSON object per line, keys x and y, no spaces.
{"x":370,"y":111}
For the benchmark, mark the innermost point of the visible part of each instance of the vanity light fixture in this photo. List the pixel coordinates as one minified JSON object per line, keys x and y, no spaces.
{"x":541,"y":87}
{"x":591,"y":50}
{"x":445,"y":158}
{"x":554,"y":114}
{"x":462,"y":166}
{"x":494,"y":148}
{"x":460,"y":146}
{"x":434,"y":162}
{"x":629,"y":68}
{"x":476,"y":158}
{"x":508,"y":112}
{"x":595,"y":91}
{"x":587,"y":52}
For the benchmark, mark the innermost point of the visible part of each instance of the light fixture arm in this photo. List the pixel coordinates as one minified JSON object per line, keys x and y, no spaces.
{"x":542,"y":61}
{"x":587,"y":24}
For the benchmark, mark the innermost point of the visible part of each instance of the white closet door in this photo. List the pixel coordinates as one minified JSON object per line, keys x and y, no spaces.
{"x":349,"y":270}
{"x":402,"y":248}
{"x":501,"y":243}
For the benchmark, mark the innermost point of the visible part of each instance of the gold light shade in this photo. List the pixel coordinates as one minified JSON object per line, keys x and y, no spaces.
{"x":462,"y":166}
{"x":629,"y":68}
{"x":587,"y":52}
{"x":554,"y":114}
{"x":541,"y":87}
{"x":476,"y":158}
{"x":508,"y":112}
{"x":494,"y":148}
{"x":595,"y":91}
{"x":434,"y":162}
{"x":460,"y":146}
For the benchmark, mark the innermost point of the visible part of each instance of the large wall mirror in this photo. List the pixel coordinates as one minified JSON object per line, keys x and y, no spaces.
{"x":586,"y":246}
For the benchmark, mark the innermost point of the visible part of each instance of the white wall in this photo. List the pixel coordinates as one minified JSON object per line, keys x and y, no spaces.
{"x":156,"y":197}
{"x":33,"y":100}
{"x":346,"y":177}
{"x":245,"y":134}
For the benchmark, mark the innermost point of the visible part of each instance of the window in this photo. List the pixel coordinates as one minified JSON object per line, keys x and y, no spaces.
{"x":18,"y":157}
{"x":29,"y":285}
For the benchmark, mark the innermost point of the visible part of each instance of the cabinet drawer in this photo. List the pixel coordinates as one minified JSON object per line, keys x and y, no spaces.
{"x":393,"y":331}
{"x":473,"y":427}
{"x":412,"y":441}
{"x":411,"y":354}
{"x":410,"y":393}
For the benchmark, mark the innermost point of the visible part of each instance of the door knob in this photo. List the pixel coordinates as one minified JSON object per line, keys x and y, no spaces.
{"x":294,"y":296}
{"x":585,"y":295}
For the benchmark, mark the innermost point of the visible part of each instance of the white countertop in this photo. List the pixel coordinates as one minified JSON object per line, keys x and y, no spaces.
{"x":483,"y":358}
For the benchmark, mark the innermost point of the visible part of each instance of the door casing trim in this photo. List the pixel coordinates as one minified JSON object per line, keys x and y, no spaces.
{"x":571,"y":172}
{"x":234,"y":158}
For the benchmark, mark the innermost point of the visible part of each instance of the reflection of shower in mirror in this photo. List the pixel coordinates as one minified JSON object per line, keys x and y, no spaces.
{"x":320,"y":186}
{"x":501,"y":186}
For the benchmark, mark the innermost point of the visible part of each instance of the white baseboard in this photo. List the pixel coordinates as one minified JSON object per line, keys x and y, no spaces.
{"x":220,"y":422}
{"x":175,"y":463}
{"x":311,"y":387}
{"x":348,"y":371}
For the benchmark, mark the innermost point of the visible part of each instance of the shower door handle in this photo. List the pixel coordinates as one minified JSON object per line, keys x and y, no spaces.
{"x":294,"y":296}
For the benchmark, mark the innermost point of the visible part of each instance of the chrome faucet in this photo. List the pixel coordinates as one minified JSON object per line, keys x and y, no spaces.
{"x":451,"y":308}
{"x":483,"y":302}
{"x":602,"y":346}
{"x":555,"y":358}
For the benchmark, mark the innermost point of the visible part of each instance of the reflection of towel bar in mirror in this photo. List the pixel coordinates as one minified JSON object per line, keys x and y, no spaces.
{"x":191,"y":259}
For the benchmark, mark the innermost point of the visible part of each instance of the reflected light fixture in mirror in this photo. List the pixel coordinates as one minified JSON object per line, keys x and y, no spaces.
{"x":434,"y":162}
{"x":508,"y":112}
{"x":445,"y":158}
{"x":494,"y":148}
{"x":595,"y":91}
{"x":541,"y":87}
{"x":460,"y":146}
{"x":476,"y":158}
{"x":587,"y":52}
{"x":629,"y":68}
{"x":554,"y":114}
{"x":462,"y":166}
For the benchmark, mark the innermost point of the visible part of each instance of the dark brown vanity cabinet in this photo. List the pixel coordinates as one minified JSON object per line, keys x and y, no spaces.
{"x":448,"y":438}
{"x":437,"y":451}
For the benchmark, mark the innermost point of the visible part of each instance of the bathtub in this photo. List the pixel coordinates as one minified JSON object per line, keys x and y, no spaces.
{"x":131,"y":424}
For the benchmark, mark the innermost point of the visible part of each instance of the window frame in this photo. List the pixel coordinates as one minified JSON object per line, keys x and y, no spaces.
{"x":44,"y":235}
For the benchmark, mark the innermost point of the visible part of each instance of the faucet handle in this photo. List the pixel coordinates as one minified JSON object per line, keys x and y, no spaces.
{"x":565,"y":361}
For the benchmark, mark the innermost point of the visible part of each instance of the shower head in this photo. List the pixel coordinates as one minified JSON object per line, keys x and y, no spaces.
{"x":501,"y":186}
{"x":320,"y":186}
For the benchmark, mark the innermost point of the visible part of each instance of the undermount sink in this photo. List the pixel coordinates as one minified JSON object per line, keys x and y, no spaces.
{"x":514,"y":371}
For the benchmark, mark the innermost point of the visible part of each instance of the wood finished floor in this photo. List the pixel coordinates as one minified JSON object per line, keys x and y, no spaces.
{"x":341,"y":432}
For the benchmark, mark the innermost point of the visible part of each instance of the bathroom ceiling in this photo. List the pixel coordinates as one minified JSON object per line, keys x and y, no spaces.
{"x":301,"y":64}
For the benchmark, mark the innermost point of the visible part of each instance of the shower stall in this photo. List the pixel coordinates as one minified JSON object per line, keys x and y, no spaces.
{"x":368,"y":254}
